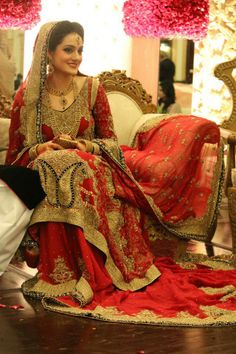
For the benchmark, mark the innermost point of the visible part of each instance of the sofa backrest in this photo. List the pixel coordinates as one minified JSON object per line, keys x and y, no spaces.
{"x":125,"y":113}
{"x":128,"y":101}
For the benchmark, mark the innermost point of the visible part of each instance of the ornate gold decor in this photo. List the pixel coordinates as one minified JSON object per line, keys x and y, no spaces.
{"x":116,"y":80}
{"x":5,"y":107}
{"x":211,"y":98}
{"x":223,"y":72}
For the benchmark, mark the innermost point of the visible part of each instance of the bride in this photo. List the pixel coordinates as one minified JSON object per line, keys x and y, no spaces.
{"x":104,"y":203}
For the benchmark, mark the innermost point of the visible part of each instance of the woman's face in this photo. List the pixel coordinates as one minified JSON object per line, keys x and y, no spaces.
{"x":67,"y":56}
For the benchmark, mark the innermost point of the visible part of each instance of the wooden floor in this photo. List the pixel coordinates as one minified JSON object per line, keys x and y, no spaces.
{"x":32,"y":330}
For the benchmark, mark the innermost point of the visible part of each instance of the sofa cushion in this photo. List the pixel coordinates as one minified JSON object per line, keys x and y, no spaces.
{"x":125,"y":112}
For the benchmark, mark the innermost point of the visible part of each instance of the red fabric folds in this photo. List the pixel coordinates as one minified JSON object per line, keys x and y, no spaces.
{"x":176,"y":290}
{"x":174,"y":162}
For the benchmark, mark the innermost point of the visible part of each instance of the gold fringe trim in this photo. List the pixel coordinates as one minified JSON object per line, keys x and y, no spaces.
{"x":184,"y":319}
{"x":221,"y":262}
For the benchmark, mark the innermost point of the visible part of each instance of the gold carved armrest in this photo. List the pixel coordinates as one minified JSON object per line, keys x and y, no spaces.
{"x":230,"y":189}
{"x":225,"y":72}
{"x":229,"y":138}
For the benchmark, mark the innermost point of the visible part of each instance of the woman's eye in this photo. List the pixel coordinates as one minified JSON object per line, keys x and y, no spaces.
{"x":68,"y":50}
{"x":80,"y":51}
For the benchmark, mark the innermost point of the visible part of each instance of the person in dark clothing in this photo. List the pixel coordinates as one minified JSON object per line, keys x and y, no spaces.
{"x":166,"y":95}
{"x":166,"y":68}
{"x":18,"y":81}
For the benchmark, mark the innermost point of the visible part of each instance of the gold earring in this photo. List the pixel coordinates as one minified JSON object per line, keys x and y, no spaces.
{"x":50,"y":67}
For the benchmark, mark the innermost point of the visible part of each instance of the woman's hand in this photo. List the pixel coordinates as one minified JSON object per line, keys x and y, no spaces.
{"x":81,"y":146}
{"x":64,"y":136}
{"x":48,"y":146}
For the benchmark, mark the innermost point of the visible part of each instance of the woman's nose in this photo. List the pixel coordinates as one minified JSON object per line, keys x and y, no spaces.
{"x":76,"y":56}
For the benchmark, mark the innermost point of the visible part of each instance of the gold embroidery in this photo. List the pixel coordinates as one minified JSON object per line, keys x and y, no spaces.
{"x":60,"y":172}
{"x":61,"y":272}
{"x":83,"y":268}
{"x":68,"y":121}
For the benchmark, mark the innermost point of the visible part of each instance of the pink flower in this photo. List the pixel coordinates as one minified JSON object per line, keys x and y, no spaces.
{"x":22,"y":14}
{"x":166,"y":18}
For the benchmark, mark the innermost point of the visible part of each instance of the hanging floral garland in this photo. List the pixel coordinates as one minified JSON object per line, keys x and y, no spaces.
{"x":19,"y":14}
{"x":166,"y":18}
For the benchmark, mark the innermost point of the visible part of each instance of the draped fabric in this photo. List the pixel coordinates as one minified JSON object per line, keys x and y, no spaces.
{"x":96,"y":226}
{"x":197,"y":296}
{"x":178,"y":164}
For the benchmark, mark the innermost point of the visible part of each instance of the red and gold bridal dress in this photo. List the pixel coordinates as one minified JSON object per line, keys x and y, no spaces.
{"x":100,"y":212}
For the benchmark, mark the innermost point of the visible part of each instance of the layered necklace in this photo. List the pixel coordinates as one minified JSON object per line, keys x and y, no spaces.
{"x":67,"y":119}
{"x":61,"y":94}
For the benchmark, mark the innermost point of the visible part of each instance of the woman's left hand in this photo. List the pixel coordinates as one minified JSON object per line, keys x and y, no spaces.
{"x":65,"y":136}
{"x":81,"y":146}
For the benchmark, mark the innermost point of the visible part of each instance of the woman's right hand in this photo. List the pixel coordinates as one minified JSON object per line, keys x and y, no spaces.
{"x":48,"y":146}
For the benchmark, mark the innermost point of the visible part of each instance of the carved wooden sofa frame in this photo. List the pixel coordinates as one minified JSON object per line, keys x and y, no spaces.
{"x":224,"y":72}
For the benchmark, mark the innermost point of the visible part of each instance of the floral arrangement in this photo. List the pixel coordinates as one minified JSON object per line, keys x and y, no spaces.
{"x":19,"y":14}
{"x":166,"y":18}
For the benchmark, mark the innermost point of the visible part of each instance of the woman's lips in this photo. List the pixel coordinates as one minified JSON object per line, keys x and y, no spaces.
{"x":73,"y":65}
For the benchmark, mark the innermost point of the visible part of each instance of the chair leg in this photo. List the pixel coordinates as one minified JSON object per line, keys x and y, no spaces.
{"x":209,"y":246}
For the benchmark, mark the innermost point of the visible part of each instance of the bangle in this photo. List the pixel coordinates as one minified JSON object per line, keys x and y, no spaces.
{"x":33,"y":152}
{"x":96,"y":149}
{"x":93,"y":148}
{"x":88,"y":145}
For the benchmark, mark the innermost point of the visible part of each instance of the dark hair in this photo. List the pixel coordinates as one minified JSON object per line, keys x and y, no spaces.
{"x":166,"y":70}
{"x":169,"y":91}
{"x":61,"y":30}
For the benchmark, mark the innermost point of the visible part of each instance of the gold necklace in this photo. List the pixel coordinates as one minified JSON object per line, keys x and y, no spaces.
{"x":61,"y":94}
{"x":63,"y":121}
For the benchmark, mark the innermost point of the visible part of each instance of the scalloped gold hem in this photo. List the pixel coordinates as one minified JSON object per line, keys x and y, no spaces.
{"x":111,"y":314}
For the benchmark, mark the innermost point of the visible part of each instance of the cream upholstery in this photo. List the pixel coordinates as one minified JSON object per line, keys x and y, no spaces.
{"x":130,"y":104}
{"x":127,"y":116}
{"x":125,"y":112}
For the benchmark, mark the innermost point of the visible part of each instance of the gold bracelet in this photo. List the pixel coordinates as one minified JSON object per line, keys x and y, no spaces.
{"x":33,"y":152}
{"x":96,"y":149}
{"x":88,"y":145}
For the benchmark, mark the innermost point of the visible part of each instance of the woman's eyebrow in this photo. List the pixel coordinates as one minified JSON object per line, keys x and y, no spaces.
{"x":72,"y":46}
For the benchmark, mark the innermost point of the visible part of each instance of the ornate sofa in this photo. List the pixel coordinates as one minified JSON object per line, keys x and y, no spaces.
{"x":131,"y":106}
